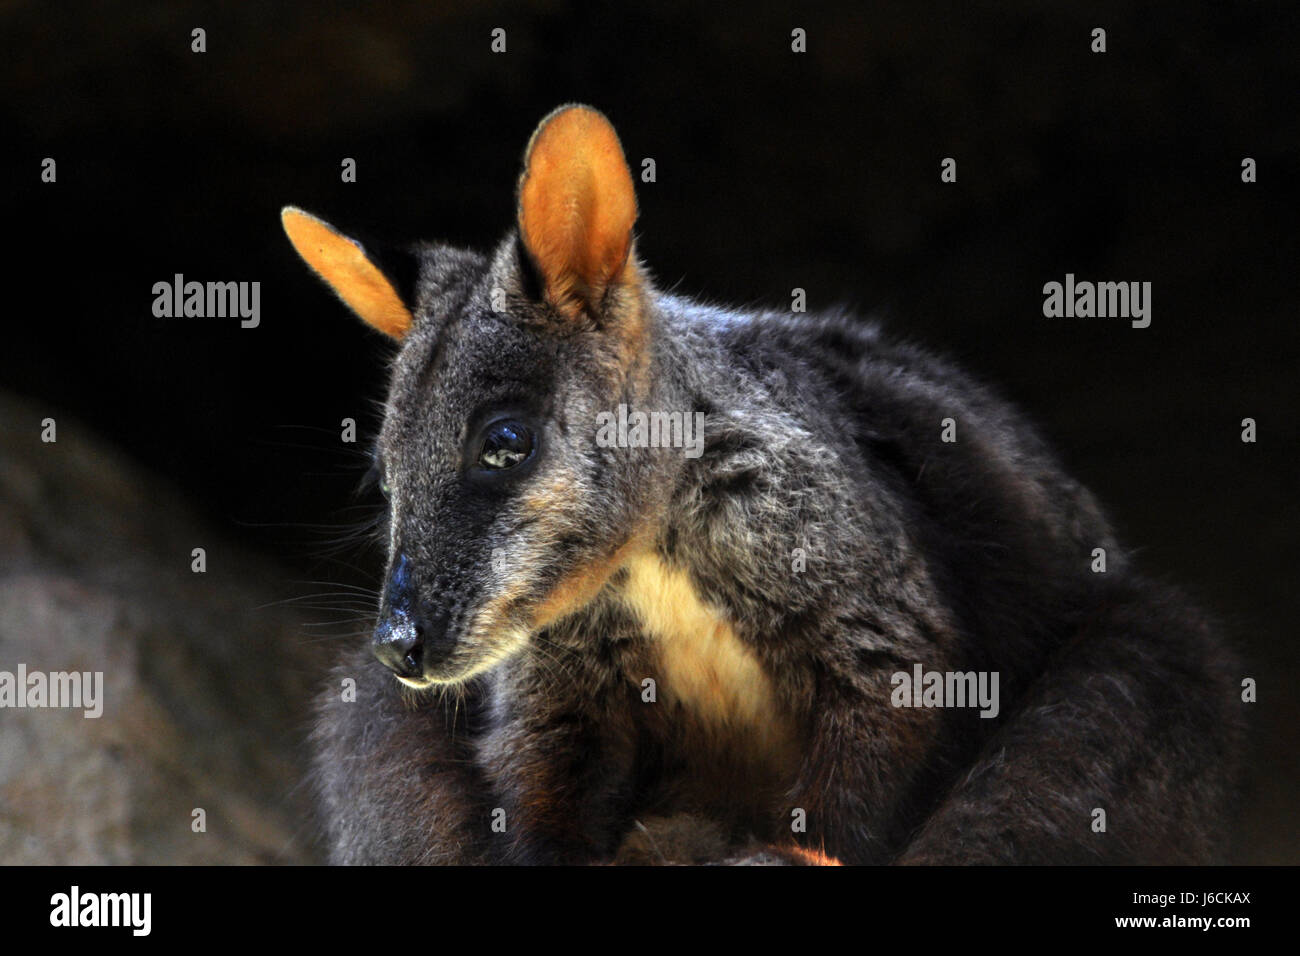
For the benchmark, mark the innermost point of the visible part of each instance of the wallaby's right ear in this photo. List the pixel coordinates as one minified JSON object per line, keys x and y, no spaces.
{"x":576,"y":208}
{"x":350,"y":272}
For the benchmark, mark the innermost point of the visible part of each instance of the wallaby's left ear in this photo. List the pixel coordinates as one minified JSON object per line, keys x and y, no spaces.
{"x":349,"y":270}
{"x":576,"y":209}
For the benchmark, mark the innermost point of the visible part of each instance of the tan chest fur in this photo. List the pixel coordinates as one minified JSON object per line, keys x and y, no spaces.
{"x":705,"y":669}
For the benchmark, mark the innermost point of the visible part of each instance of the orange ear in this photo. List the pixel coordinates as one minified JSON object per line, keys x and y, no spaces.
{"x":342,"y":262}
{"x":577,"y":206}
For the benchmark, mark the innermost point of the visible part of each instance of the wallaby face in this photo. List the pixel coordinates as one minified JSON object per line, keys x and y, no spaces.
{"x":712,"y":649}
{"x":499,"y":518}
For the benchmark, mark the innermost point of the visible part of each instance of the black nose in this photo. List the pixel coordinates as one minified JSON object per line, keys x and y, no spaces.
{"x":399,"y":639}
{"x":399,"y":645}
{"x":411,"y":636}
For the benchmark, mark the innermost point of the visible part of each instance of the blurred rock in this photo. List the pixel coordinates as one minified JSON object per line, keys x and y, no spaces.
{"x":203,"y":685}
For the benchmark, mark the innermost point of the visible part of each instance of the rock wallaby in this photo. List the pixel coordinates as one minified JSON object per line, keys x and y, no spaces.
{"x":669,"y":582}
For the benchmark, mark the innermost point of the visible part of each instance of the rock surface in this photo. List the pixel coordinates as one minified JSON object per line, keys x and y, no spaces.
{"x":203,"y":685}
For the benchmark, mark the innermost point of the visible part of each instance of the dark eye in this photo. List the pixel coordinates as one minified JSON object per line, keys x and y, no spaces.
{"x":377,"y":477}
{"x":505,"y":444}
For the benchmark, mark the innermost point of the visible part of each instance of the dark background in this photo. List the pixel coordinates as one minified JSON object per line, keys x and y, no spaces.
{"x":775,"y":170}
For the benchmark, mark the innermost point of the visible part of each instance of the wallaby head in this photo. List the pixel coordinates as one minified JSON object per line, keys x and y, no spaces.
{"x":505,"y":514}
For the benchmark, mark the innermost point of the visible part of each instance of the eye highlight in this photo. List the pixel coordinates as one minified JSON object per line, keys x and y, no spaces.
{"x":506,"y":443}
